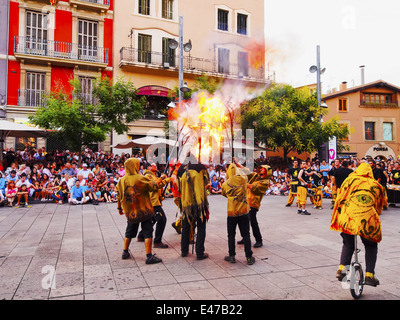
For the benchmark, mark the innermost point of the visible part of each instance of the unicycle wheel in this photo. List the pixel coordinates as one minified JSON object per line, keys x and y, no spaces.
{"x":356,"y":282}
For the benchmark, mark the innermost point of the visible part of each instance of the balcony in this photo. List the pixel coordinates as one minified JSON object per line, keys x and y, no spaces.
{"x":386,"y":105}
{"x":31,"y":98}
{"x":136,"y":58}
{"x":59,"y":52}
{"x":96,"y":5}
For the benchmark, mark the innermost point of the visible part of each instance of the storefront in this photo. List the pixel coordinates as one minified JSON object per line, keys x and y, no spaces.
{"x":381,"y":150}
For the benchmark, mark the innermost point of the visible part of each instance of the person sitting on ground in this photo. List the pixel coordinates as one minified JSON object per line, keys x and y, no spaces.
{"x":215,"y":185}
{"x":61,"y":195}
{"x":77,"y":195}
{"x":22,"y":195}
{"x":11,"y":192}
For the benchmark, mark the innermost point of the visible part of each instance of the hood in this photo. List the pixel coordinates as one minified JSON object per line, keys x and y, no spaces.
{"x":148,"y":172}
{"x":232,"y":169}
{"x":364,"y":170}
{"x":132,"y":166}
{"x":269,"y":171}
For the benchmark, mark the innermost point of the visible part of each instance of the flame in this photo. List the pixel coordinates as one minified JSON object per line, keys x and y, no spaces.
{"x":256,"y":51}
{"x":206,"y":116}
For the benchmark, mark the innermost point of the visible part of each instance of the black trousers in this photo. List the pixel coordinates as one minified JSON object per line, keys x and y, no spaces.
{"x":371,"y":252}
{"x":160,"y":220}
{"x":244,"y":228}
{"x":254,"y":224}
{"x":200,"y":237}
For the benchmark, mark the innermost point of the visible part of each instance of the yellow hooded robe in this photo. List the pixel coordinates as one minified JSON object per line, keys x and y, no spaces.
{"x":134,"y":192}
{"x":358,"y":205}
{"x":258,"y":187}
{"x":235,"y":189}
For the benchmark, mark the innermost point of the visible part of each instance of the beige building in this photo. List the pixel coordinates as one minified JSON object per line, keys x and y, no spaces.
{"x":218,"y":31}
{"x":371,"y":111}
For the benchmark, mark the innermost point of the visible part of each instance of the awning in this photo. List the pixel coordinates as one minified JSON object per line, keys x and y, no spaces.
{"x":154,"y":91}
{"x":144,"y":142}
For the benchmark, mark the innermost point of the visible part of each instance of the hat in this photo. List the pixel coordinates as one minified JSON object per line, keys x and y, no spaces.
{"x":84,"y":165}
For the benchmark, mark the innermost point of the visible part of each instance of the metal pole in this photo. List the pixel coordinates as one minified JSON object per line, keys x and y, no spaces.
{"x":180,"y":57}
{"x":318,"y":77}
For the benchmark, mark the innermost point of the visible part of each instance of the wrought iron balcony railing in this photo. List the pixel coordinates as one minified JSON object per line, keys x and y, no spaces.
{"x":102,"y":2}
{"x":367,"y":104}
{"x":31,"y":98}
{"x":60,"y":50}
{"x":150,"y":59}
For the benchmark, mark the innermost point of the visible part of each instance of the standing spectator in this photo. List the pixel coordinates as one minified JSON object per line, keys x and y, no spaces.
{"x":324,"y":168}
{"x":396,"y":173}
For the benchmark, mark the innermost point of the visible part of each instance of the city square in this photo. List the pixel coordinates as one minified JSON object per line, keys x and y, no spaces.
{"x":115,"y":111}
{"x":79,"y":247}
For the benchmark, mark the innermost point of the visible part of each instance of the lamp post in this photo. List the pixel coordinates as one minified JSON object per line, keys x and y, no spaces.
{"x":317,"y":69}
{"x":173,"y":44}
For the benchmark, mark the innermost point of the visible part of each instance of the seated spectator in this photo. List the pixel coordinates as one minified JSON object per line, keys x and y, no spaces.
{"x":36,"y":190}
{"x":84,"y":171}
{"x":22,"y":195}
{"x":12,"y":176}
{"x":215,"y":185}
{"x":61,"y":195}
{"x":113,"y":192}
{"x":2,"y":184}
{"x":11,"y":192}
{"x":77,"y":195}
{"x":68,"y":170}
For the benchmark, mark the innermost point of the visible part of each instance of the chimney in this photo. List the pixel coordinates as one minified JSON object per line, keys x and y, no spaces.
{"x":362,"y":75}
{"x":343,"y":86}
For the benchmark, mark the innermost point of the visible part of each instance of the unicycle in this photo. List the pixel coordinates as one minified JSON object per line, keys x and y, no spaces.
{"x":356,"y":277}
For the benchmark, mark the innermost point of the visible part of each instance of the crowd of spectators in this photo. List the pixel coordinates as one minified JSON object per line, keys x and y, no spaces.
{"x":31,"y":176}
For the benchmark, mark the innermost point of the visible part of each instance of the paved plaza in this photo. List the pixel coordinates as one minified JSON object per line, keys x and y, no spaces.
{"x":79,"y":247}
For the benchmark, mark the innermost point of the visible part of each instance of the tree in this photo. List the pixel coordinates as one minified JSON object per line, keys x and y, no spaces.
{"x":289,"y":118}
{"x":83,"y":119}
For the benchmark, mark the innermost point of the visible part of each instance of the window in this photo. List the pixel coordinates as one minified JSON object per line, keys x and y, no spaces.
{"x":144,"y":48}
{"x":86,"y":89}
{"x":342,"y":105}
{"x":369,"y":128}
{"x":223,"y":60}
{"x":377,"y":98}
{"x":34,"y":89}
{"x":36,"y":31}
{"x":167,"y":9}
{"x":168,"y":54}
{"x":223,"y":20}
{"x":387,"y":131}
{"x":243,"y":64}
{"x":87,"y":39}
{"x":242,"y":23}
{"x":144,"y":7}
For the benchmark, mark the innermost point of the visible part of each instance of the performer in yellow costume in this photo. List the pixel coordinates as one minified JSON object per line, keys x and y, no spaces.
{"x":356,"y":212}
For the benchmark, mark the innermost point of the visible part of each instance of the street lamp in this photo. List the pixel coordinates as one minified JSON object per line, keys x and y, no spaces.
{"x":173,"y":44}
{"x":317,"y":69}
{"x":319,"y":72}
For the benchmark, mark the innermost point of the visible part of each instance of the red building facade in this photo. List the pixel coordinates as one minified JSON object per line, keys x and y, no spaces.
{"x":51,"y":42}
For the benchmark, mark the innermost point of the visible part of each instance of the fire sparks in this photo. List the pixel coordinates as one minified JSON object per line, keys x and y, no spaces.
{"x":206,"y":116}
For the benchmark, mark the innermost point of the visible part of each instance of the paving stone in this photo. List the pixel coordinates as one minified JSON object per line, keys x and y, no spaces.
{"x":83,"y":246}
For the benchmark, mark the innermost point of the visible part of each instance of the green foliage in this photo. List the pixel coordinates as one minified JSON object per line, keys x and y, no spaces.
{"x":82,"y":120}
{"x":289,"y":118}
